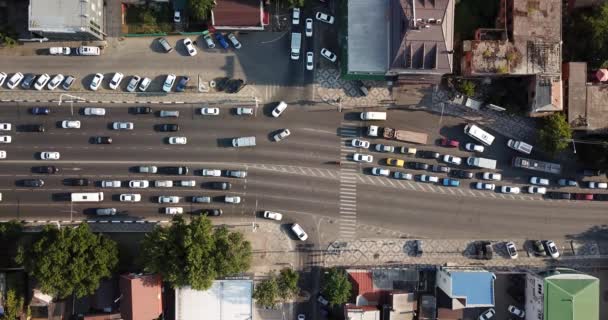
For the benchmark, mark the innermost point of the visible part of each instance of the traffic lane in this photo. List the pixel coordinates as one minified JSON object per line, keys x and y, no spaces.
{"x":440,"y":215}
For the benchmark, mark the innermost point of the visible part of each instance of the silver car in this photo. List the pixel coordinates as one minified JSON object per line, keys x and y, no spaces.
{"x":148,"y":169}
{"x":111,"y":184}
{"x":168,"y":199}
{"x":122,"y":126}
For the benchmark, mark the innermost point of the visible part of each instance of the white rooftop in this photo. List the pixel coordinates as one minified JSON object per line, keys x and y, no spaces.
{"x":64,"y":15}
{"x":368,"y":35}
{"x":225,"y":300}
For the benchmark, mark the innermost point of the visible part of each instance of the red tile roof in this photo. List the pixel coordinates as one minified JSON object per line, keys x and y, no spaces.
{"x":141,"y":297}
{"x":362,"y":282}
{"x":237,"y":13}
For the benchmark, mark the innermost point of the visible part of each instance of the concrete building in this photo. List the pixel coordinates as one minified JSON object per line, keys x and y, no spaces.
{"x":67,"y":19}
{"x":225,"y":300}
{"x":403,"y":40}
{"x":562,"y":294}
{"x":466,"y":288}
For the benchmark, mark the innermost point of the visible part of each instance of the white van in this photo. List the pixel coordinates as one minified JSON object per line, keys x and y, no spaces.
{"x":243,"y":142}
{"x":89,"y":51}
{"x":478,"y":134}
{"x":380,"y":116}
{"x":86,"y":196}
{"x":519,"y":146}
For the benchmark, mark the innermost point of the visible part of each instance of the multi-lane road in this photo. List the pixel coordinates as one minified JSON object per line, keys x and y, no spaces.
{"x":296,"y":176}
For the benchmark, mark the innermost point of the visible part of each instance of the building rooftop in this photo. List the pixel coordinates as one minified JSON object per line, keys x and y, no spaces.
{"x":141,"y":296}
{"x":572,"y":297}
{"x":238,"y":14}
{"x":587,"y":108}
{"x":64,"y":16}
{"x":368,"y":30}
{"x":374,"y":286}
{"x":225,"y":300}
{"x":467,"y":288}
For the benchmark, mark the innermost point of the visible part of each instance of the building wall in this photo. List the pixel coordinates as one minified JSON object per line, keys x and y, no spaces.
{"x":444,"y":281}
{"x":535,"y":297}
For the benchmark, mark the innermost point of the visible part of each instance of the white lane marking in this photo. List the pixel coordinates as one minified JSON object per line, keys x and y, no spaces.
{"x":343,"y":196}
{"x":348,"y":201}
{"x":492,"y":194}
{"x":462,"y":192}
{"x":390,"y":182}
{"x":401,"y":184}
{"x":451,"y":191}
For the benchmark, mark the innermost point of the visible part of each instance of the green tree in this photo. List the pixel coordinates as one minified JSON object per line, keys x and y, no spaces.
{"x":200,"y":9}
{"x":336,"y":287}
{"x":555,"y":135}
{"x":296,"y":3}
{"x":467,"y":88}
{"x":13,"y":306}
{"x":266,"y":292}
{"x":10,"y":230}
{"x":70,"y":260}
{"x":288,"y":283}
{"x":194,"y":254}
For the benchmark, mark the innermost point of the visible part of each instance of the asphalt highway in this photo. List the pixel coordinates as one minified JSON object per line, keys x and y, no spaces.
{"x":311,"y":186}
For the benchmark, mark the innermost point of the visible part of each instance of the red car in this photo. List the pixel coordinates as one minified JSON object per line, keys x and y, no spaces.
{"x":450,"y":143}
{"x":583,"y":196}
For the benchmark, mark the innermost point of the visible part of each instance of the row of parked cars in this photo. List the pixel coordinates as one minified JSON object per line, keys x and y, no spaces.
{"x":207,"y":38}
{"x":37,"y":82}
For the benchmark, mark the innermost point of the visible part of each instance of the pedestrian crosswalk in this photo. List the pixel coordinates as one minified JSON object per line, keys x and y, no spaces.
{"x":348,"y":184}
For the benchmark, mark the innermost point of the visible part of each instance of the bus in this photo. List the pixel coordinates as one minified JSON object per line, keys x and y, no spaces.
{"x":87,"y":196}
{"x":478,"y":134}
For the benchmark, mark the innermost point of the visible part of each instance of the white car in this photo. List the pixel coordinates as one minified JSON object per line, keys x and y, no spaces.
{"x":116,"y":79}
{"x":597,"y":185}
{"x":2,"y":78}
{"x":509,"y":189}
{"x":299,"y":231}
{"x":279,"y":109}
{"x":96,"y":82}
{"x":139,"y":184}
{"x":210,"y":111}
{"x":539,"y":181}
{"x":516,"y":311}
{"x":5,"y":127}
{"x":323,"y":17}
{"x":295,"y":16}
{"x":552,"y":249}
{"x":169,"y":81}
{"x":144,"y":84}
{"x":358,"y":143}
{"x":244,"y":111}
{"x":177,"y":16}
{"x":6,"y":139}
{"x":133,"y":83}
{"x":511,"y":249}
{"x":537,"y":190}
{"x":55,"y":82}
{"x":50,"y":155}
{"x":94,"y":111}
{"x":130,"y":197}
{"x":309,"y":27}
{"x":301,"y":317}
{"x":235,"y":42}
{"x":70,"y":124}
{"x":187,"y":183}
{"x":384,"y":148}
{"x":211,"y":172}
{"x":190,"y":47}
{"x":328,"y":55}
{"x":452,"y":160}
{"x":14,"y":80}
{"x":359,"y":157}
{"x":380,"y":172}
{"x":281,"y":135}
{"x":487,"y":315}
{"x":168,"y":199}
{"x":474,"y":147}
{"x":122,"y":126}
{"x":491,"y":176}
{"x":2,"y":154}
{"x":403,"y":175}
{"x":485,"y":186}
{"x":42,"y":80}
{"x":272,"y":215}
{"x":111,"y":184}
{"x":178,"y":140}
{"x":232,"y":199}
{"x":427,"y":178}
{"x":310,"y":65}
{"x":163,"y":183}
{"x":174,"y":210}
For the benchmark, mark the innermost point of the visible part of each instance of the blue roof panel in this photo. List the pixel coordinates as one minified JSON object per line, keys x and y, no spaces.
{"x":477,"y":287}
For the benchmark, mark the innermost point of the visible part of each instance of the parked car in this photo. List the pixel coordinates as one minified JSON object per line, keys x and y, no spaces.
{"x":583,"y":196}
{"x":448,"y":182}
{"x":310,"y":65}
{"x":358,"y":143}
{"x":147,"y":169}
{"x":32,"y":128}
{"x":236,"y":173}
{"x":299,"y":231}
{"x":96,"y":82}
{"x":279,"y":109}
{"x":359,"y":157}
{"x":509,"y":189}
{"x":309,"y":27}
{"x":141,"y":110}
{"x":281,"y":135}
{"x":491,"y":176}
{"x":181,"y":85}
{"x":28,"y":81}
{"x":537,"y":248}
{"x":70,"y":124}
{"x":418,"y":165}
{"x":130,"y":197}
{"x":597,"y":185}
{"x":201,"y":199}
{"x":235,"y":42}
{"x":295,"y":16}
{"x":328,"y":55}
{"x":232,"y":199}
{"x":55,"y":82}
{"x":68,"y":82}
{"x":244,"y":111}
{"x":402,"y":175}
{"x":207,"y":111}
{"x":221,"y":185}
{"x":168,"y":199}
{"x":189,"y":47}
{"x":462,"y":174}
{"x":78,"y":182}
{"x":211,"y":172}
{"x":211,"y":212}
{"x":221,"y":40}
{"x":474,"y":147}
{"x":168,"y":84}
{"x":177,"y":140}
{"x":323,"y":17}
{"x":140,"y":184}
{"x":111,"y":184}
{"x":516,"y":311}
{"x":449,"y":143}
{"x":42,"y":80}
{"x":208,"y":40}
{"x":428,"y":154}
{"x":407,"y":150}
{"x":395,"y":162}
{"x":40,"y":111}
{"x":487,"y":315}
{"x":106,"y":211}
{"x":165,"y":44}
{"x":32,"y":183}
{"x":174,"y":210}
{"x":452,"y":160}
{"x":539,"y":181}
{"x":485,"y":186}
{"x":427,"y":178}
{"x":115,"y":81}
{"x":102,"y":140}
{"x":537,"y":190}
{"x":567,"y":182}
{"x":45,"y":169}
{"x":14,"y":80}
{"x":440,"y":168}
{"x":560,"y":195}
{"x":3,"y":77}
{"x":384,"y":148}
{"x":511,"y":249}
{"x":132,"y":86}
{"x":551,"y":249}
{"x":122,"y":125}
{"x":94,"y":111}
{"x":380,"y":172}
{"x":144,"y":84}
{"x":49,"y":155}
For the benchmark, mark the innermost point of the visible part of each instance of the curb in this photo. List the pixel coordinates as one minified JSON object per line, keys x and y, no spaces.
{"x":89,"y":221}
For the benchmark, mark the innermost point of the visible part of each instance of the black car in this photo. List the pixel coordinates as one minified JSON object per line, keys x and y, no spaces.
{"x":211,"y":212}
{"x":418,"y":165}
{"x":181,"y":85}
{"x":45,"y":169}
{"x":429,"y":154}
{"x":538,"y":248}
{"x":601,"y":197}
{"x":483,"y":250}
{"x":28,"y":80}
{"x":560,"y":195}
{"x":175,"y":170}
{"x":32,"y":128}
{"x":169,"y":127}
{"x":440,"y":168}
{"x":221,"y":185}
{"x":591,"y":172}
{"x":142,"y":110}
{"x":40,"y":111}
{"x":462,"y":174}
{"x":79,"y":182}
{"x":102,"y":140}
{"x":32,"y":183}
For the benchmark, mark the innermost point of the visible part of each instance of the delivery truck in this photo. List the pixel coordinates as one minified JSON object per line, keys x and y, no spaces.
{"x":481,"y":162}
{"x":400,"y":135}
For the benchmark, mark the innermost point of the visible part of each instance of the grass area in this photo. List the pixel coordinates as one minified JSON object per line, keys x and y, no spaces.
{"x":473,"y":14}
{"x":149,"y":18}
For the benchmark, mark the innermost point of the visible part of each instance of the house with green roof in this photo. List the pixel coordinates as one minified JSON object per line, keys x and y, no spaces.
{"x":562,"y":294}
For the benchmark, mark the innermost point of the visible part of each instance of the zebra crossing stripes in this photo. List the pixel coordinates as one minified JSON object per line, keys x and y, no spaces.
{"x":349,"y":172}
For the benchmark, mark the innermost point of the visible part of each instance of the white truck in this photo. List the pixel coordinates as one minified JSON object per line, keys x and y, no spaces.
{"x":519,"y":146}
{"x":296,"y":44}
{"x":481,"y":162}
{"x":243,"y":142}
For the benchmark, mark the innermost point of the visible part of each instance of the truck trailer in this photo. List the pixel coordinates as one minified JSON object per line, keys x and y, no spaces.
{"x":400,"y":135}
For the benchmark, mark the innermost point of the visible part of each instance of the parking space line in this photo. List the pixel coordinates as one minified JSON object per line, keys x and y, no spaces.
{"x":380,"y":180}
{"x":462,"y":192}
{"x":411,"y":185}
{"x":370,"y":180}
{"x":492,"y":194}
{"x":451,"y":191}
{"x":401,"y":184}
{"x":390,"y":182}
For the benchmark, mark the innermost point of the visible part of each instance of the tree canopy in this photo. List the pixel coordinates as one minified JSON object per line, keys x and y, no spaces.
{"x":70,"y":260}
{"x":200,"y":9}
{"x":336,"y":287}
{"x":13,"y":305}
{"x":555,"y":135}
{"x":288,"y":283}
{"x":593,"y":46}
{"x":269,"y":292}
{"x":194,"y":254}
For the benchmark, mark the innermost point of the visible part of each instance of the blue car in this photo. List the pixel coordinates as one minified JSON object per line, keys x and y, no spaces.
{"x":43,"y":111}
{"x":220,"y":38}
{"x":181,"y":85}
{"x":447,"y":182}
